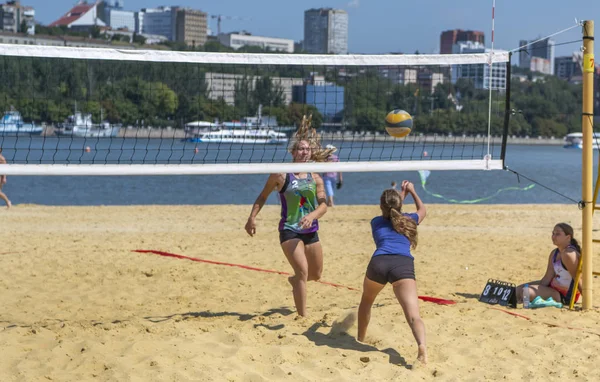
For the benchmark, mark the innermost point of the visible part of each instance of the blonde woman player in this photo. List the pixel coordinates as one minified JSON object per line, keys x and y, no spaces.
{"x":395,"y":233}
{"x":303,"y":202}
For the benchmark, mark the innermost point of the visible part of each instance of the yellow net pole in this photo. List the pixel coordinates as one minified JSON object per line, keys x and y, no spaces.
{"x":587,"y":159}
{"x":580,"y":262}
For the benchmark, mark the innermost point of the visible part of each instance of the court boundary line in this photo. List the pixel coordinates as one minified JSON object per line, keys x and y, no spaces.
{"x":435,"y":300}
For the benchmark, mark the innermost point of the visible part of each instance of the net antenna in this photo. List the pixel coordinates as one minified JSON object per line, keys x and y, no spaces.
{"x":491,"y":62}
{"x":153,"y":112}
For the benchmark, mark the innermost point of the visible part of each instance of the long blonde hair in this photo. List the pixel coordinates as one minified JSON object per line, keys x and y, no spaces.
{"x":391,"y":209}
{"x":308,"y":133}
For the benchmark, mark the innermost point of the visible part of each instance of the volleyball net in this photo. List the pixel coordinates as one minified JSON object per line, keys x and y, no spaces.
{"x":87,"y":111}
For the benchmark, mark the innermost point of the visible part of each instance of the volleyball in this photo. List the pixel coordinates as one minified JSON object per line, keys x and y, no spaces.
{"x":398,"y":123}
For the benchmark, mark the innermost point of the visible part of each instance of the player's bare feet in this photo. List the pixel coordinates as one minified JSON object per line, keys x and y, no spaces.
{"x":422,"y":356}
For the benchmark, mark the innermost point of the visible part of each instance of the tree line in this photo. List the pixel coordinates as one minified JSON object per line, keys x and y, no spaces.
{"x":168,"y":94}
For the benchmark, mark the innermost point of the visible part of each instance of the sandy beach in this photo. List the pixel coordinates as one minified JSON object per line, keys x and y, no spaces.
{"x":77,"y":304}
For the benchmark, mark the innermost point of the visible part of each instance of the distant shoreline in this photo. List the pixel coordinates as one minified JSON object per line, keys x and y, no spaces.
{"x":170,"y":133}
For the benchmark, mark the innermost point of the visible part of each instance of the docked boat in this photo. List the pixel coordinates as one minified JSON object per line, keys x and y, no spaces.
{"x":256,"y":136}
{"x":193,"y":129}
{"x":250,"y":130}
{"x":80,"y":125}
{"x":575,"y":141}
{"x":12,"y":124}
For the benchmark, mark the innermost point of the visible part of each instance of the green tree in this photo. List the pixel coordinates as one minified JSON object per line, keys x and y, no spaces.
{"x":267,"y":94}
{"x":139,"y":39}
{"x":296,"y":111}
{"x":244,"y":97}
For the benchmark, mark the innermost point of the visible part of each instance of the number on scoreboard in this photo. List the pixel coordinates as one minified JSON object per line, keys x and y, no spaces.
{"x":499,"y":292}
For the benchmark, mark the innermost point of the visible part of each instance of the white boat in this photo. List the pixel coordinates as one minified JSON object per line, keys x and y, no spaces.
{"x":193,"y":129}
{"x":256,"y":136}
{"x":80,"y":125}
{"x":12,"y":124}
{"x":250,"y":130}
{"x":575,"y":141}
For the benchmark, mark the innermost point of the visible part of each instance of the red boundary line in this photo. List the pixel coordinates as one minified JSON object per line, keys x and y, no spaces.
{"x":550,"y":324}
{"x":435,"y":300}
{"x":424,"y":298}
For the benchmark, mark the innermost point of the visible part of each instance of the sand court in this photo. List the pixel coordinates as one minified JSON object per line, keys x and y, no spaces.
{"x":78,"y":304}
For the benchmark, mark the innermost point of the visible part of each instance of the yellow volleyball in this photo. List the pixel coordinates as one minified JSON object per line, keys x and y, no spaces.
{"x":398,"y":123}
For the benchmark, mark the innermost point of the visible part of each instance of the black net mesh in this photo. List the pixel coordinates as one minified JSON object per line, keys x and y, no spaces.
{"x":77,"y":111}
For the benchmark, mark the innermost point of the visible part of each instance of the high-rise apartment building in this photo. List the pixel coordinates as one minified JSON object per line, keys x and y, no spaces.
{"x":177,"y":24}
{"x":567,"y":67}
{"x":479,"y":74}
{"x":451,"y":37}
{"x":114,"y":16}
{"x":533,"y":53}
{"x":191,"y":27}
{"x":326,"y":31}
{"x":157,"y":21}
{"x":17,"y":18}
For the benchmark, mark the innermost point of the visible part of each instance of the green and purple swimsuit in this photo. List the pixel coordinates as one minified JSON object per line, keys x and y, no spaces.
{"x":298,"y":199}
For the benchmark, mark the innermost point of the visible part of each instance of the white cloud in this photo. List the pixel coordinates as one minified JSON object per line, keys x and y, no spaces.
{"x":353,"y":4}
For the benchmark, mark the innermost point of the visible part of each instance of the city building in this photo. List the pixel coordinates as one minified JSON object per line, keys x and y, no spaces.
{"x":114,"y":16}
{"x":479,"y":74}
{"x":222,"y":85}
{"x":532,"y":54}
{"x":568,"y":67}
{"x":73,"y":41}
{"x":298,"y":46}
{"x":191,"y":26}
{"x":451,"y":37}
{"x":597,"y":94}
{"x":425,"y":78}
{"x":157,"y":21}
{"x":17,"y":18}
{"x":149,"y":39}
{"x":327,"y":97}
{"x":399,"y":75}
{"x":82,"y":16}
{"x":237,"y":40}
{"x":326,"y":31}
{"x":428,"y":80}
{"x":540,"y":65}
{"x":185,"y":25}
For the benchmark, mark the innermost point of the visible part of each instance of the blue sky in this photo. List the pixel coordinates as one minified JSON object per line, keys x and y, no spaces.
{"x":381,"y":26}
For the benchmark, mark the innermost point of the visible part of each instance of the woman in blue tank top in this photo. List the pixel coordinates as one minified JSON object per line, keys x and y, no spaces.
{"x":303,"y":202}
{"x":395,"y":233}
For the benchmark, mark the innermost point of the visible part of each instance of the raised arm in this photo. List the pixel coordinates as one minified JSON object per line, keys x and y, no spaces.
{"x":271,"y":184}
{"x":409,"y":188}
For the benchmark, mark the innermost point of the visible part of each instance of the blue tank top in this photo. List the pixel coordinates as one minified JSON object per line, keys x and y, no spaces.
{"x":387,"y":240}
{"x":298,"y":199}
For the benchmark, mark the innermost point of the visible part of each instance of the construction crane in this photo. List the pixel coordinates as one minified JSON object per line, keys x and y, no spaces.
{"x":223,"y":17}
